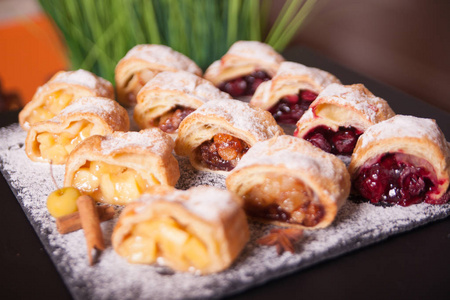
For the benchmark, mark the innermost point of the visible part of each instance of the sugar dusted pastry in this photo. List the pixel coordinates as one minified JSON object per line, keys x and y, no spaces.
{"x":290,"y":92}
{"x":53,"y":140}
{"x":59,"y":91}
{"x":119,"y":167}
{"x":287,"y":181}
{"x":170,"y":96}
{"x":220,"y":132}
{"x":142,"y":63}
{"x":246,"y":65}
{"x":339,"y":115}
{"x":201,"y":230}
{"x":404,"y":160}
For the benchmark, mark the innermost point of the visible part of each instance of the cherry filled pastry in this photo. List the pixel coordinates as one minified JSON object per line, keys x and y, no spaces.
{"x":339,"y":115}
{"x":244,"y":67}
{"x":288,"y":182}
{"x":404,"y":160}
{"x":291,"y":91}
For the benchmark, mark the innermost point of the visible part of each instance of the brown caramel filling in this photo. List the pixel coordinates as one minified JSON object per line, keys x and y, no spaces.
{"x":53,"y":104}
{"x":170,"y":121}
{"x":283,"y":198}
{"x":110,"y":183}
{"x":164,"y":237}
{"x":222,"y":152}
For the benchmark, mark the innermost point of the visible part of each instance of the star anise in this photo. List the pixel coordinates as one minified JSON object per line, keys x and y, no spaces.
{"x":282,"y":238}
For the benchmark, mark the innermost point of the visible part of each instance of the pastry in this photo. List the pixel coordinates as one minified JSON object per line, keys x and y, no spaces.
{"x":339,"y":115}
{"x":59,"y":91}
{"x":290,"y":92}
{"x":142,"y":63}
{"x":170,"y":96}
{"x":119,"y":167}
{"x":404,"y":160}
{"x":219,"y":132}
{"x":53,"y":140}
{"x":288,"y":182}
{"x":244,"y":67}
{"x":201,"y":230}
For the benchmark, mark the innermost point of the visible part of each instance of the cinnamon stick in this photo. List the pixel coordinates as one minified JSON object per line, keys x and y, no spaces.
{"x":72,"y":222}
{"x":91,"y":226}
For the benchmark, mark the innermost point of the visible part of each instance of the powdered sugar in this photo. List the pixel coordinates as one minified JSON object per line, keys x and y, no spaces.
{"x":84,"y":78}
{"x":254,"y":50}
{"x":320,"y":77}
{"x":356,"y":225}
{"x":95,"y":105}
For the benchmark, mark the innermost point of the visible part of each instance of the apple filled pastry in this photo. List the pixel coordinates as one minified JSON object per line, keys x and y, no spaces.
{"x":169,"y":97}
{"x":404,"y":160}
{"x":53,"y":140}
{"x":339,"y":115}
{"x":64,"y":87}
{"x":244,"y":67}
{"x":220,"y":132}
{"x":119,"y":167}
{"x":291,"y":91}
{"x":142,"y":63}
{"x":288,"y":182}
{"x":201,"y":230}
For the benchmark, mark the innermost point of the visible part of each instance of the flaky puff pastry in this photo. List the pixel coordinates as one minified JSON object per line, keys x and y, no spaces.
{"x":53,"y":140}
{"x":217,"y":121}
{"x":288,"y":182}
{"x":167,"y":92}
{"x":59,"y":91}
{"x":119,"y":167}
{"x":142,"y":63}
{"x":290,"y":79}
{"x":201,"y":230}
{"x":418,"y":146}
{"x":243,"y":58}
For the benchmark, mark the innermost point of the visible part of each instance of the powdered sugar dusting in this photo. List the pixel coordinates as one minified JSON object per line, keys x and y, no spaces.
{"x":96,"y":105}
{"x":254,"y":50}
{"x":320,"y":77}
{"x":84,"y":78}
{"x":356,"y":225}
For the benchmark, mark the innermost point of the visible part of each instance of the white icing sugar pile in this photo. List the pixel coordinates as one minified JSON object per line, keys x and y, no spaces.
{"x":356,"y":225}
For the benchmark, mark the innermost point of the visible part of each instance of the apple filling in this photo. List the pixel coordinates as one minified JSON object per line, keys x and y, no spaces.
{"x":340,"y":142}
{"x":290,"y":108}
{"x":397,"y":178}
{"x":135,"y":84}
{"x":164,"y":237}
{"x":54,"y":103}
{"x":170,"y":121}
{"x":222,"y":152}
{"x":285,"y":199}
{"x":56,"y":147}
{"x":245,"y":85}
{"x":110,"y":183}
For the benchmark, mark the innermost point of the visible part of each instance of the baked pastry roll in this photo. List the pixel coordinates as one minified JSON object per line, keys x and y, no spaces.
{"x":288,"y":182}
{"x":119,"y":167}
{"x":59,"y":91}
{"x":170,"y":96}
{"x":290,"y":92}
{"x":404,"y":160}
{"x":339,"y":115}
{"x":201,"y":230}
{"x":142,"y":63}
{"x":220,"y":132}
{"x":244,"y":67}
{"x":53,"y":140}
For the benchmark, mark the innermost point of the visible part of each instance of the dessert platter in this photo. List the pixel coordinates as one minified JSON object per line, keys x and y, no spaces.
{"x":192,"y":189}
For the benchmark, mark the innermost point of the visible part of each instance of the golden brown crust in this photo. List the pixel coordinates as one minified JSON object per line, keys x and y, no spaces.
{"x":80,"y":83}
{"x":105,"y":114}
{"x":294,"y":158}
{"x":290,"y":79}
{"x":151,"y":59}
{"x":242,"y":59}
{"x":211,"y":214}
{"x":344,"y":105}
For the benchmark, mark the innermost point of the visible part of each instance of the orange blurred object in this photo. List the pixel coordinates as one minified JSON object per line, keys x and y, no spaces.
{"x":30,"y":53}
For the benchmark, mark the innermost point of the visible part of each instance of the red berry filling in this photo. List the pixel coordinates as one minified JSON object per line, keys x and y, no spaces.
{"x":244,"y":86}
{"x":397,"y":178}
{"x":222,"y":152}
{"x":341,"y":142}
{"x":290,"y":108}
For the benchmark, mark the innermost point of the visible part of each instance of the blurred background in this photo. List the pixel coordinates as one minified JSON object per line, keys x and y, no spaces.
{"x":404,"y":43}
